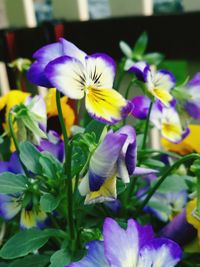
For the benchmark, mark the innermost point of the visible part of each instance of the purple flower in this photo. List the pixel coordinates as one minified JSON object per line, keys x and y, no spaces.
{"x":115,"y":156}
{"x":141,"y":106}
{"x":63,"y":66}
{"x":158,"y":83}
{"x":13,"y":165}
{"x":54,"y":144}
{"x":131,"y":247}
{"x":192,"y":101}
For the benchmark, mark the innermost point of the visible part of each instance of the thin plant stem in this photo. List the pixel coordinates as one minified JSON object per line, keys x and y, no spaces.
{"x":162,"y":179}
{"x":67,"y":168}
{"x":147,"y":127}
{"x":12,"y":133}
{"x":129,"y":87}
{"x":198,"y":197}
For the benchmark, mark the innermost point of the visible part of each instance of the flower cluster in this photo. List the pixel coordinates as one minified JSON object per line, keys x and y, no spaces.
{"x":65,"y":175}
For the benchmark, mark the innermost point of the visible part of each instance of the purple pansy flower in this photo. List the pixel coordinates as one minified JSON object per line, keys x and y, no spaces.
{"x":13,"y":165}
{"x":115,"y":156}
{"x":141,"y":106}
{"x":63,"y":66}
{"x":131,"y":247}
{"x":158,"y":83}
{"x":54,"y":144}
{"x":192,"y":103}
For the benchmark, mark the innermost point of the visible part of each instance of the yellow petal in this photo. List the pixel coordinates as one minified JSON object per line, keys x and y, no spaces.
{"x":189,"y":144}
{"x":190,"y":218}
{"x":28,"y":219}
{"x":106,"y":192}
{"x":162,"y":95}
{"x":171,"y":131}
{"x":105,"y":104}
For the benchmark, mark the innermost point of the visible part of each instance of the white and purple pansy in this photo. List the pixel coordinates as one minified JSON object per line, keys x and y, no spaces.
{"x":115,"y":156}
{"x":158,"y":83}
{"x":135,"y":246}
{"x":192,"y":103}
{"x":167,"y":120}
{"x":76,"y":75}
{"x":11,"y":205}
{"x":48,"y":53}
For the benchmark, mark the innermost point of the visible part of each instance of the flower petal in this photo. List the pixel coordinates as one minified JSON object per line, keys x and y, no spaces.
{"x":162,"y":95}
{"x":141,"y":69}
{"x":143,"y":171}
{"x":67,"y":75}
{"x":103,"y":161}
{"x":101,"y":70}
{"x":141,"y":106}
{"x":121,"y":246}
{"x":107,"y":192}
{"x":160,"y":252}
{"x":94,"y":258}
{"x":164,"y":80}
{"x":9,"y":206}
{"x":106,"y":105}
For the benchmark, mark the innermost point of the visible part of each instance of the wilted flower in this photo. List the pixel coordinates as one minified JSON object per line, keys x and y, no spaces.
{"x":134,"y":247}
{"x":158,"y":83}
{"x":115,"y":156}
{"x":63,"y":66}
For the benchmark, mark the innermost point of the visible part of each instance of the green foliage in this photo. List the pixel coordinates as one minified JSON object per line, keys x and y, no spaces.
{"x":31,"y":261}
{"x":49,"y":202}
{"x":140,"y":46}
{"x":12,"y":183}
{"x":29,"y":155}
{"x":25,"y":242}
{"x":60,"y":258}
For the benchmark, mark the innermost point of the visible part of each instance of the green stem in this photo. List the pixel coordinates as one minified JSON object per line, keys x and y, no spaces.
{"x":129,"y":87}
{"x":198,"y":196}
{"x":12,"y":133}
{"x":67,"y":168}
{"x":163,"y":177}
{"x":147,"y":127}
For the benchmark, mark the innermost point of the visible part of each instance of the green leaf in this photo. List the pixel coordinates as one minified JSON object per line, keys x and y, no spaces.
{"x":29,"y":155}
{"x":50,"y":165}
{"x":31,"y":261}
{"x":49,"y":202}
{"x":95,"y":127}
{"x":12,"y":183}
{"x":26,"y":242}
{"x":140,"y":45}
{"x":153,"y":58}
{"x":173,"y":183}
{"x":60,"y":258}
{"x":153,"y":163}
{"x":125,"y":48}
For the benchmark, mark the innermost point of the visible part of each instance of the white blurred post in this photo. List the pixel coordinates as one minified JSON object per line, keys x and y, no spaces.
{"x":70,"y":9}
{"x":131,"y":7}
{"x":20,"y":13}
{"x":4,"y":83}
{"x":191,"y":5}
